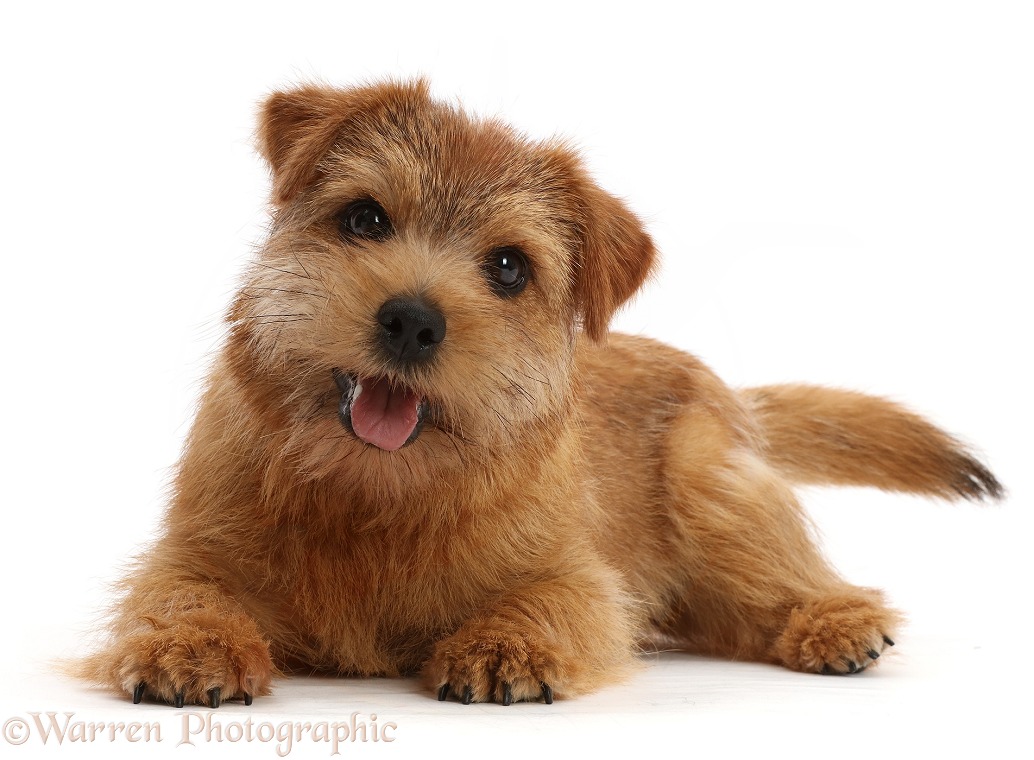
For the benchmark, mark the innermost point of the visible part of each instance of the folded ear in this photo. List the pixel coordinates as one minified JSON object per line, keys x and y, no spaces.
{"x":615,"y":255}
{"x":298,"y":127}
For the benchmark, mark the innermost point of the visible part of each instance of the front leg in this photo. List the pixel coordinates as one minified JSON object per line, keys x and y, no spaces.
{"x":556,"y":637}
{"x":182,"y":641}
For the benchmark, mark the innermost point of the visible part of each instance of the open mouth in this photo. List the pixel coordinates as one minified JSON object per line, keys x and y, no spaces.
{"x":378,"y":412}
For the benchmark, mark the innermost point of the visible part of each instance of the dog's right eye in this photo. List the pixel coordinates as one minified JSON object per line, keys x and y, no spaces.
{"x":364,"y":219}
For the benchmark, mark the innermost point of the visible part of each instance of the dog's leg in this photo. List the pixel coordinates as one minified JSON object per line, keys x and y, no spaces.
{"x":556,"y":637}
{"x":182,"y":641}
{"x":756,"y":586}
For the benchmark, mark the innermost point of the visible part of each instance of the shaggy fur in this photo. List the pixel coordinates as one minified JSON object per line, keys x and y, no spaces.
{"x":572,"y":494}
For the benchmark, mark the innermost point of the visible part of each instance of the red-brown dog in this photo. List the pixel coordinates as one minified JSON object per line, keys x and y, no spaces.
{"x":421,"y":450}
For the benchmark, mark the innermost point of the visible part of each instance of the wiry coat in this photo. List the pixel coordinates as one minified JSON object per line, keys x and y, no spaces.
{"x":571,"y":495}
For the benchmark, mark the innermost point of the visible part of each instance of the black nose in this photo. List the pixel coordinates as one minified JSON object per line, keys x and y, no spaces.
{"x":411,"y":330}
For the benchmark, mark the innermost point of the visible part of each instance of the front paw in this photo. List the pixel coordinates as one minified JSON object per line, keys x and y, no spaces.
{"x":194,"y":661}
{"x":484,"y":664}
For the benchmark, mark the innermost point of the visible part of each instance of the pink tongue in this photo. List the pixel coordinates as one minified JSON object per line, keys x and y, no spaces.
{"x":384,"y":417}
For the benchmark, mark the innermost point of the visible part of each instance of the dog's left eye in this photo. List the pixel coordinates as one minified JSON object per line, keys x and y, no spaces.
{"x":364,"y":219}
{"x":508,"y":270}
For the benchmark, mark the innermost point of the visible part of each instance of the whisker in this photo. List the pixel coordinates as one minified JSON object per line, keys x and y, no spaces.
{"x":516,"y":386}
{"x":285,"y":271}
{"x":530,"y":367}
{"x":264,"y":316}
{"x":295,"y":254}
{"x":281,"y":290}
{"x":284,"y":321}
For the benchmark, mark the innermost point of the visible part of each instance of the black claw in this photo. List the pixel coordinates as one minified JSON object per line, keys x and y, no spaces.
{"x":507,"y":695}
{"x":248,"y":700}
{"x":468,"y":695}
{"x":547,"y":694}
{"x":138,"y":692}
{"x":214,"y":697}
{"x":852,"y":667}
{"x":873,"y":654}
{"x":179,"y":699}
{"x":443,"y":693}
{"x":888,"y":641}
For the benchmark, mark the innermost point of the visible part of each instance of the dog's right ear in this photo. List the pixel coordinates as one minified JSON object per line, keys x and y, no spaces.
{"x":298,"y":127}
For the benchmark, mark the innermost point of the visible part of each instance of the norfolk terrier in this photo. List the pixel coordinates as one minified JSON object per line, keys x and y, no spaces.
{"x":421,"y":450}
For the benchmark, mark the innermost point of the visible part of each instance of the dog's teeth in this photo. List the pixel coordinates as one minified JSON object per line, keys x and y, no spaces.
{"x":349,"y":385}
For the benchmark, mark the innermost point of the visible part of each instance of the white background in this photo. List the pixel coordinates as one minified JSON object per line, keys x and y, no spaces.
{"x":842,"y":195}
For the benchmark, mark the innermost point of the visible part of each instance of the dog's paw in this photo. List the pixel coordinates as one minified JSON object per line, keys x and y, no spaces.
{"x":838,"y":635}
{"x":482,"y":664}
{"x":199,"y":662}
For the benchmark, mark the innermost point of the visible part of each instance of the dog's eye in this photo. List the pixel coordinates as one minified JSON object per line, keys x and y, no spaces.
{"x":508,"y":271}
{"x":364,"y":219}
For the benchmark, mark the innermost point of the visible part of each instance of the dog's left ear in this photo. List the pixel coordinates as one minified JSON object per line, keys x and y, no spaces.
{"x":615,"y":254}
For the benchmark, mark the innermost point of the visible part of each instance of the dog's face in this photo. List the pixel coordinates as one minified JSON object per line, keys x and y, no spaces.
{"x":421,"y":291}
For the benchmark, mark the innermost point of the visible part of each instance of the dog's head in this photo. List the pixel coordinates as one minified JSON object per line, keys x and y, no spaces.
{"x":426,"y":276}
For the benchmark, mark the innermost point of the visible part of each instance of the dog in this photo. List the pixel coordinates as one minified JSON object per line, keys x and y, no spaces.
{"x":421,"y":451}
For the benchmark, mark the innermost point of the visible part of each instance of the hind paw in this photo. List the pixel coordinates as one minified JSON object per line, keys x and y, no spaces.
{"x":838,"y":635}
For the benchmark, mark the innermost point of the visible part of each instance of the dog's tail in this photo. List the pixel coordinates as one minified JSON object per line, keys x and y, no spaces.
{"x":822,"y":436}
